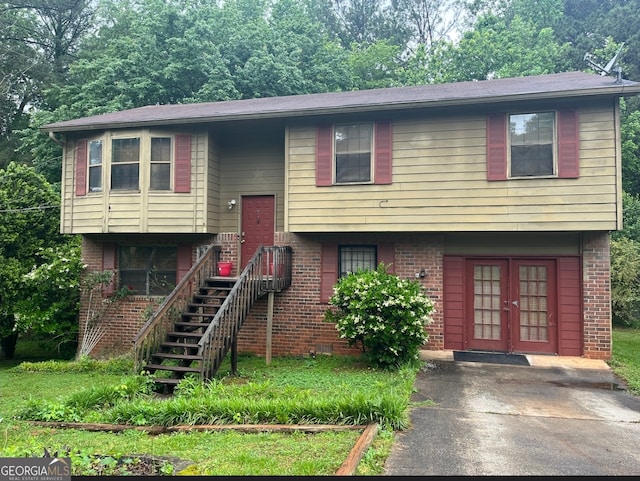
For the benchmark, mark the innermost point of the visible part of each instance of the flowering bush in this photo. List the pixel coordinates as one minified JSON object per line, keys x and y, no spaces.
{"x":385,"y":314}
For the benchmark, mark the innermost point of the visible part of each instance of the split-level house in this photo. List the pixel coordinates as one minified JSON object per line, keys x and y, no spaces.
{"x":498,"y":196}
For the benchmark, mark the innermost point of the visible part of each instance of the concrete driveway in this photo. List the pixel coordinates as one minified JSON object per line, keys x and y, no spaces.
{"x":559,"y":416}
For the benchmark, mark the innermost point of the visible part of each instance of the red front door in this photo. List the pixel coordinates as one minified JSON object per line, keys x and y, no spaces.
{"x":258,"y":225}
{"x":511,"y":305}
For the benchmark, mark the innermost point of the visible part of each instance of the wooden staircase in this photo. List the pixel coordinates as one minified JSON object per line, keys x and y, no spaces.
{"x":178,"y":355}
{"x":197,"y":324}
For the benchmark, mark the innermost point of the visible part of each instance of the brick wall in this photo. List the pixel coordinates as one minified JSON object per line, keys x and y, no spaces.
{"x":596,"y":296}
{"x":121,"y":318}
{"x":298,"y":325}
{"x":298,"y":317}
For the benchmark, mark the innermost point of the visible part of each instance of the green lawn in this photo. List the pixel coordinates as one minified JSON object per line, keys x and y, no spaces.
{"x":626,"y":357}
{"x":329,"y":389}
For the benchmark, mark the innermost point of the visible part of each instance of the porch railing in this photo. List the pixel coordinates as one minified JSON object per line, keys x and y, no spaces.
{"x":154,"y":331}
{"x":268,"y":270}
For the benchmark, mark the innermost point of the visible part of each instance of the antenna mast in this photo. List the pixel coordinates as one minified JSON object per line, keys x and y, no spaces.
{"x":612,"y":65}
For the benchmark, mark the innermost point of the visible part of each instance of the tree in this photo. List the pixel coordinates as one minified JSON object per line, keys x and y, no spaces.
{"x":630,"y":133}
{"x":364,"y":22}
{"x":498,"y":47}
{"x":376,"y":66}
{"x":29,"y":222}
{"x":51,"y":291}
{"x":38,"y":41}
{"x":430,"y":21}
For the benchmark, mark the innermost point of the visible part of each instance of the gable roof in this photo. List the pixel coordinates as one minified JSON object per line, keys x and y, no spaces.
{"x":560,"y":85}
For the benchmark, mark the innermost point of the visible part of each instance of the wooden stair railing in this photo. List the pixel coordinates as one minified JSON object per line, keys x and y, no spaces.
{"x":196,"y":336}
{"x":268,"y":270}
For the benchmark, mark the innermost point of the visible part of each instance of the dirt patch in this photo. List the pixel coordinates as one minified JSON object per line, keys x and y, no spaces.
{"x":124,"y":465}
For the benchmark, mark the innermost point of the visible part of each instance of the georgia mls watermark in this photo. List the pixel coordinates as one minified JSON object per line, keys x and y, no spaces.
{"x":35,"y":469}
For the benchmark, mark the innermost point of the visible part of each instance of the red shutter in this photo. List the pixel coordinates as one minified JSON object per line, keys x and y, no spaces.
{"x":182,"y":179}
{"x":324,"y":155}
{"x":568,"y":153}
{"x":81,"y":167}
{"x":383,"y":160}
{"x":387,"y":254}
{"x":496,"y":146}
{"x":453,"y":300}
{"x":109,"y":264}
{"x":183,"y":261}
{"x":329,"y":271}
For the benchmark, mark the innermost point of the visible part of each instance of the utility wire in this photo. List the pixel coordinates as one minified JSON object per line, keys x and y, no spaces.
{"x":27,"y":209}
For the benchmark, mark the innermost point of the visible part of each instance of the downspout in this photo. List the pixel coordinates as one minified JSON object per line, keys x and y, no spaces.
{"x":53,"y":137}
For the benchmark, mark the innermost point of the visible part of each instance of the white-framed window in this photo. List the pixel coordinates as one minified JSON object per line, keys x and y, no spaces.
{"x":125,"y":163}
{"x":146,"y":270}
{"x":354,"y":258}
{"x":160,"y":163}
{"x":142,"y":160}
{"x":95,"y":166}
{"x":353,"y":153}
{"x":532,"y":141}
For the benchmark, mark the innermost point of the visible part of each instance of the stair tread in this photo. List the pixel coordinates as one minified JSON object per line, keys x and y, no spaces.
{"x":188,"y":345}
{"x":172,"y":355}
{"x":167,"y":380}
{"x":196,"y":325}
{"x":184,"y":334}
{"x":162,"y":367}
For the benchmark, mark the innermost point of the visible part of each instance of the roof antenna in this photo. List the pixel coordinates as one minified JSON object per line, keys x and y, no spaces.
{"x":612,"y":65}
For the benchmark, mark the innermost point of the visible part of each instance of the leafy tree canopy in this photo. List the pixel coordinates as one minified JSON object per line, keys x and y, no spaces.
{"x":29,"y":222}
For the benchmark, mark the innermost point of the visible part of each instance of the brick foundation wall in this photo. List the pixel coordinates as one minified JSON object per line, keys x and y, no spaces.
{"x":298,"y":325}
{"x":122,"y":318}
{"x":596,"y":294}
{"x":298,"y":317}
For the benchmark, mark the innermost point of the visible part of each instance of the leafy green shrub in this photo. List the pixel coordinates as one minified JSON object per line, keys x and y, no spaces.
{"x":116,"y":365}
{"x":387,"y":315}
{"x":335,"y":391}
{"x":625,"y":282}
{"x":76,"y":406}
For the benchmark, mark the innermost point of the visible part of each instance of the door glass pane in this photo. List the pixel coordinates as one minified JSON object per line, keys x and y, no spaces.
{"x":533,"y":303}
{"x":486,"y":302}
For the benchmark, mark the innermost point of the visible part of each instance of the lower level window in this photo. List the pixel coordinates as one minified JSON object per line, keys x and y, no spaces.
{"x":148,"y":271}
{"x":356,"y":258}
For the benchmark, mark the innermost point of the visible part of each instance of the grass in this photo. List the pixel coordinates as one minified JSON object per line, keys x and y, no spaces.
{"x":329,"y":389}
{"x":625,"y":361}
{"x":95,"y":391}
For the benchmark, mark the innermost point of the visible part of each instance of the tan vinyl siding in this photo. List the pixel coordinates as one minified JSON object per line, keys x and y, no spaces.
{"x":440,"y":183}
{"x":252,"y":164}
{"x":143,"y":211}
{"x":213,"y":185}
{"x":67,"y":188}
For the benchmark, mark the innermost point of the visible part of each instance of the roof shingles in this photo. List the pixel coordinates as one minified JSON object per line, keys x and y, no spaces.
{"x":542,"y":86}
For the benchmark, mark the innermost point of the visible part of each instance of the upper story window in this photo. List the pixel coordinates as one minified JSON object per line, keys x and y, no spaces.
{"x":531,"y":140}
{"x":95,"y":166}
{"x":125,"y":164}
{"x":141,"y":162}
{"x":533,"y":144}
{"x":358,"y":153}
{"x":160,"y":163}
{"x":353,"y":145}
